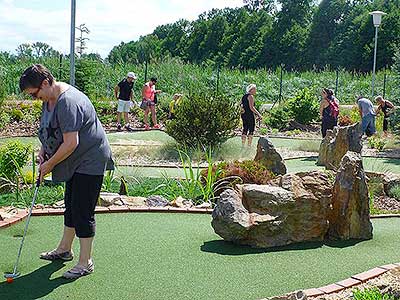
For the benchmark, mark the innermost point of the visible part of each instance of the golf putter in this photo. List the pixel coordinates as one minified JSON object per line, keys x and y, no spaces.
{"x":11,"y":276}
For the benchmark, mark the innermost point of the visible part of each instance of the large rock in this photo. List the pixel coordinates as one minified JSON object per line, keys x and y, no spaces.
{"x":156,"y":201}
{"x":349,"y":218}
{"x":108,"y":199}
{"x":336,"y":144}
{"x":294,"y":208}
{"x":133,"y":201}
{"x":269,"y":157}
{"x":231,"y":220}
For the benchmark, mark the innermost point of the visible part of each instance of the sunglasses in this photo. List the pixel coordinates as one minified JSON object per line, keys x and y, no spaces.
{"x":35,"y":94}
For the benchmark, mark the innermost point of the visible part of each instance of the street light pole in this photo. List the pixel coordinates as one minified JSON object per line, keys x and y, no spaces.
{"x":377,"y":19}
{"x":374,"y":67}
{"x":72,"y":45}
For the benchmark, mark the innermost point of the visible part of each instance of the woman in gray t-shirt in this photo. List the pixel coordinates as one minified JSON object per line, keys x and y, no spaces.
{"x":75,"y":149}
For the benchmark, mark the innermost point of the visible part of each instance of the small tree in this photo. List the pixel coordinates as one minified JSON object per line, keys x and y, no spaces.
{"x":203,"y":120}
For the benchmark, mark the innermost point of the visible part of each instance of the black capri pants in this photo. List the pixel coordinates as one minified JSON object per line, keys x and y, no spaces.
{"x":385,"y":124}
{"x":328,"y":123}
{"x":249,"y":123}
{"x":81,"y":194}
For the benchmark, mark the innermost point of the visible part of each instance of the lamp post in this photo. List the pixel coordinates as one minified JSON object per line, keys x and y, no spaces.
{"x":377,"y":19}
{"x":72,"y":45}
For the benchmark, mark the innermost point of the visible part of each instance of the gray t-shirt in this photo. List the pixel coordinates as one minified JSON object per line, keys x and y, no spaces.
{"x":366,"y":107}
{"x":75,"y":112}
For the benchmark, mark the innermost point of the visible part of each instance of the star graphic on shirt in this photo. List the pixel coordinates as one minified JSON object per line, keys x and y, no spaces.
{"x":51,"y":132}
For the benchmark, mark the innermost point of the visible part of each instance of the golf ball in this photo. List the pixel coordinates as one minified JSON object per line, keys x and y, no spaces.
{"x":9,"y":280}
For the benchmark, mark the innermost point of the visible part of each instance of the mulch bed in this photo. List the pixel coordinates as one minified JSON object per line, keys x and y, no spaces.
{"x":387,"y":203}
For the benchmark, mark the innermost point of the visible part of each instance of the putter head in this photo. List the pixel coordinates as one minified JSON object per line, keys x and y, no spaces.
{"x":11,"y":275}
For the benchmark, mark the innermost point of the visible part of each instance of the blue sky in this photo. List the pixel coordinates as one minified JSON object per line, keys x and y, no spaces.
{"x":110,"y":22}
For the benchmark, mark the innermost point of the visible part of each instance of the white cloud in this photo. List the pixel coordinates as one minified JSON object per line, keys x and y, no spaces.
{"x":110,"y":22}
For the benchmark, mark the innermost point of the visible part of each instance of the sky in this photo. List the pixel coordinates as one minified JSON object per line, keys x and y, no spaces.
{"x":110,"y":21}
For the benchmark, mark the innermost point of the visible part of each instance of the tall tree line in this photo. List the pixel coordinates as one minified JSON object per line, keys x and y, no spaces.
{"x":299,"y":34}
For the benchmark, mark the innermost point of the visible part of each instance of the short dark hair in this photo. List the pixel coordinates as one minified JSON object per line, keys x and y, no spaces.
{"x":329,"y":92}
{"x":154,"y":79}
{"x":34,"y":76}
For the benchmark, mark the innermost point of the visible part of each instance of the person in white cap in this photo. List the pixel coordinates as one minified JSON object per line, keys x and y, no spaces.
{"x":123,"y":93}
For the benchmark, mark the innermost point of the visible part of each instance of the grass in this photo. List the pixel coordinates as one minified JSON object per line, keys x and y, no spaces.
{"x":308,"y":146}
{"x":178,"y":256}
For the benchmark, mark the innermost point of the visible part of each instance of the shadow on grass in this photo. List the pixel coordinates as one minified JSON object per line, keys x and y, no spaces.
{"x":34,"y":285}
{"x":227,"y":248}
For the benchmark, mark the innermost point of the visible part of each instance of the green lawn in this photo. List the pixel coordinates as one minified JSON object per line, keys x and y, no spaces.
{"x":178,"y":256}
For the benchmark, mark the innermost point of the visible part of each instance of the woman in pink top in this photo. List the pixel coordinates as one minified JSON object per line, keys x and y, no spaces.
{"x":148,"y":93}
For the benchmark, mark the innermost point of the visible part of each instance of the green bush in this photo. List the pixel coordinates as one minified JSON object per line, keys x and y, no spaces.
{"x":13,"y":157}
{"x":394,"y":192}
{"x":278,"y":117}
{"x":394,"y":121}
{"x":304,"y":107}
{"x":5,"y":118}
{"x":376,"y":142}
{"x":203,"y":120}
{"x":371,"y":294}
{"x":17,"y":115}
{"x":105,"y":110}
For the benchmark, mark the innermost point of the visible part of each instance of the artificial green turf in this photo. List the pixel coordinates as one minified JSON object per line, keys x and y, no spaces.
{"x":178,"y":256}
{"x":373,"y":164}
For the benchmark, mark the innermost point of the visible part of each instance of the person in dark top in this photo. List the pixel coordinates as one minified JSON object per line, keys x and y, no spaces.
{"x":386,"y":107}
{"x":247,"y":114}
{"x":123,"y":93}
{"x":329,"y":110}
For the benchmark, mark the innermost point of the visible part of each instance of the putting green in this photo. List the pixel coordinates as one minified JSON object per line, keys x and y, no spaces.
{"x":178,"y":256}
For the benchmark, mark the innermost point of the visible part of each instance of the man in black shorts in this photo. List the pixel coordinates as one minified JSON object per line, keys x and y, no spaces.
{"x":123,"y":93}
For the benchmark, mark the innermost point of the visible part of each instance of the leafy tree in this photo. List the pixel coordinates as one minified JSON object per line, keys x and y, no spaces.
{"x":24,"y":51}
{"x":43,"y":50}
{"x":287,"y":40}
{"x":324,"y":28}
{"x":257,"y":5}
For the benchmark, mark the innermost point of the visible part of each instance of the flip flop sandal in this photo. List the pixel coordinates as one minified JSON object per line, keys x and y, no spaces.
{"x":79,"y":271}
{"x":53,"y":255}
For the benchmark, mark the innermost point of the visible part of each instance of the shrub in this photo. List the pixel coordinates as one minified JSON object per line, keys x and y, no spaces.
{"x":13,"y":157}
{"x":203,"y":120}
{"x":394,"y":192}
{"x":394,"y":121}
{"x":355,"y":115}
{"x":263,"y":131}
{"x":249,"y":171}
{"x":376,"y":142}
{"x":17,"y":115}
{"x":4,"y":119}
{"x":304,"y":108}
{"x":278,"y":118}
{"x":105,"y":110}
{"x":371,"y":294}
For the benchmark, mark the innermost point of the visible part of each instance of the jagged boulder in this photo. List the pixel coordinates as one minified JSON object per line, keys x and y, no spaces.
{"x":350,"y":217}
{"x":231,"y":219}
{"x":336,"y":144}
{"x":293,"y":208}
{"x":269,"y":157}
